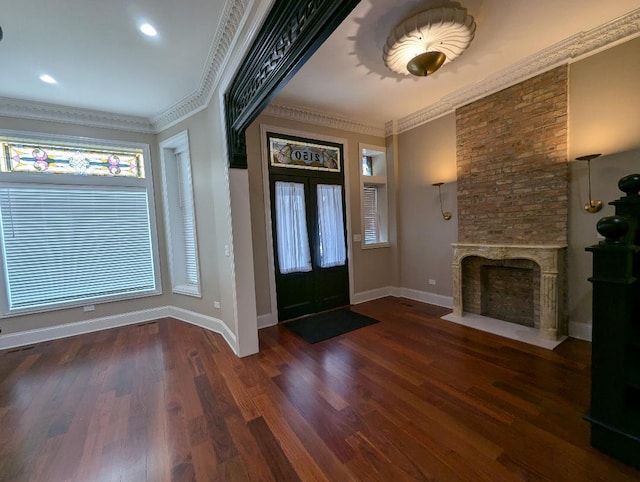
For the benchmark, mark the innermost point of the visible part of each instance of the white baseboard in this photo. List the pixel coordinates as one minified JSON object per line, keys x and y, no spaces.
{"x":207,"y":322}
{"x":13,"y":340}
{"x":270,"y":319}
{"x":371,"y":295}
{"x":265,"y":321}
{"x":29,"y":337}
{"x":579,"y":330}
{"x":425,"y":297}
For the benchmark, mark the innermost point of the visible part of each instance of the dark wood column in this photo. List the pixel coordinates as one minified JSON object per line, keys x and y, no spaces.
{"x":615,"y":364}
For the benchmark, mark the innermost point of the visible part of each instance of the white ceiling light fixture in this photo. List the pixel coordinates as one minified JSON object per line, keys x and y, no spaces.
{"x":421,"y":44}
{"x":148,"y":29}
{"x":48,"y":79}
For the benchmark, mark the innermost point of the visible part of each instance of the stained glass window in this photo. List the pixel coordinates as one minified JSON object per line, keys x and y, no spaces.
{"x":292,"y":153}
{"x":32,"y":157}
{"x":87,"y":237}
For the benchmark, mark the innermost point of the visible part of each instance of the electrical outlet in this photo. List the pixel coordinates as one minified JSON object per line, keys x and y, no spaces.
{"x":226,"y":250}
{"x":88,"y":308}
{"x":432,"y":282}
{"x":216,"y":304}
{"x":357,"y":237}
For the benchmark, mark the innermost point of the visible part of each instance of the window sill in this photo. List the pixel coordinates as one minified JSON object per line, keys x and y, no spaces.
{"x":77,"y":304}
{"x":375,"y":245}
{"x":374,"y":180}
{"x":188,"y":290}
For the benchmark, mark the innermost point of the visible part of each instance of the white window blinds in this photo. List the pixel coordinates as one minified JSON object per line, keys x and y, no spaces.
{"x":332,"y":247}
{"x":69,"y":244}
{"x":371,"y":223}
{"x":291,"y":228}
{"x":180,"y":215}
{"x":187,"y":218}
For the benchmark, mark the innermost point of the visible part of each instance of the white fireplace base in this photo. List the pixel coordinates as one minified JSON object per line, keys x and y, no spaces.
{"x":509,"y":330}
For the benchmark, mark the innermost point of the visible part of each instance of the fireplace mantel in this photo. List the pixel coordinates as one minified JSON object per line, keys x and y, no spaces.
{"x":550,"y":258}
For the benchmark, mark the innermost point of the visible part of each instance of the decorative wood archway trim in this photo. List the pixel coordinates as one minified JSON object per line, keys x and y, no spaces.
{"x":292,"y":32}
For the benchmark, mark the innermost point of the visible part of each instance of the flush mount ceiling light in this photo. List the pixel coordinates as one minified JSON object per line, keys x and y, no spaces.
{"x":421,"y":44}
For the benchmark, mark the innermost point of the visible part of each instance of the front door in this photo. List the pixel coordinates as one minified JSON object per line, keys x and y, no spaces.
{"x":309,"y":234}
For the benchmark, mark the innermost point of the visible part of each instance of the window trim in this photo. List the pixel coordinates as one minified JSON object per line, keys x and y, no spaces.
{"x":379,"y":181}
{"x":31,"y":178}
{"x":178,"y":143}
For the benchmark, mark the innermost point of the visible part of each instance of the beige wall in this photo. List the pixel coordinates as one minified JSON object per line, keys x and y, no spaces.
{"x":426,"y":155}
{"x":198,"y":129}
{"x":372,"y":268}
{"x":17,"y":324}
{"x":604,"y":117}
{"x":222,"y":216}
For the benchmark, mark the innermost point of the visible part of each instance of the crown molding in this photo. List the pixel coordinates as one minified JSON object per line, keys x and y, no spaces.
{"x":325,"y":119}
{"x":391,"y":128}
{"x":27,"y":109}
{"x":567,"y":51}
{"x":574,"y":48}
{"x":233,"y":14}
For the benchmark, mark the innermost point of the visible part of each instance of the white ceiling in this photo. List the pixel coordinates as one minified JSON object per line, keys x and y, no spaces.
{"x":347,"y":76}
{"x":103,"y":63}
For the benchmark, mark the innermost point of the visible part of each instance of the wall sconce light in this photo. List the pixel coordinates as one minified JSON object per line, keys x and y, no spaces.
{"x":594,"y":205}
{"x":446,"y":215}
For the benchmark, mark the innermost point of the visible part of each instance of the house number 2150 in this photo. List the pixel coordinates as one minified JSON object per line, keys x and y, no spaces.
{"x":305,"y":155}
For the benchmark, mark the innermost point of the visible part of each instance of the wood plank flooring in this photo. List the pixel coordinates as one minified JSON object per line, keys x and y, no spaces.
{"x":410,"y":398}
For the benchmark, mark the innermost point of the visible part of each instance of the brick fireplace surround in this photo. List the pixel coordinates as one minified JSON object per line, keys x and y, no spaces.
{"x":513,"y":185}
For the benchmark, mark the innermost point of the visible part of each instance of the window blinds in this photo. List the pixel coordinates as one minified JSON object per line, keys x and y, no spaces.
{"x":370,"y":215}
{"x":74,"y":244}
{"x":187,"y":218}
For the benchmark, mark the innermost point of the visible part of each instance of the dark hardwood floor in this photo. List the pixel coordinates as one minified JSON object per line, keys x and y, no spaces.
{"x":411,"y":398}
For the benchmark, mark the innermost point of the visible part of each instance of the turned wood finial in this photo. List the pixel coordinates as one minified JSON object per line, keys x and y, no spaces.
{"x":613,"y":228}
{"x":630,"y":185}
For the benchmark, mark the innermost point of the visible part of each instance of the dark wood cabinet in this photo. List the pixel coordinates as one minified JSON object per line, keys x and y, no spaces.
{"x":615,"y":363}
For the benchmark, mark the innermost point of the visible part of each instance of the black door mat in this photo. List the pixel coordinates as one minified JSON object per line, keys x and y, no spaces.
{"x":322,"y":326}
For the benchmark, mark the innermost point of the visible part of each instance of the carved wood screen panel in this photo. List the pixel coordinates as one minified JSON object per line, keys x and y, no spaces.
{"x":292,"y":32}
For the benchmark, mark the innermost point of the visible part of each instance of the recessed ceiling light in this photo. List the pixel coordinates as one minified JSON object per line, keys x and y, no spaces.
{"x":148,"y":29}
{"x":48,"y":79}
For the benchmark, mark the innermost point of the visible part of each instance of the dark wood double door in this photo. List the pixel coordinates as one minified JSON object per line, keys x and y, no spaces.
{"x":320,"y":279}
